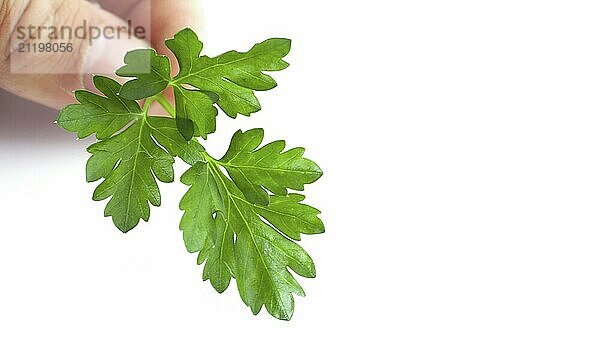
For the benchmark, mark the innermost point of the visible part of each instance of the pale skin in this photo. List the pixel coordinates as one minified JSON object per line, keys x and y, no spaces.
{"x":55,"y":90}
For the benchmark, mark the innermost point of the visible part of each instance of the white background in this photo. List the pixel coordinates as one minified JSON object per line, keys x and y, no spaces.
{"x":461,"y":150}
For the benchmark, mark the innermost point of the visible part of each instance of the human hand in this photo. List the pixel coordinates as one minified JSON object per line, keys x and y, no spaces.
{"x":50,"y":77}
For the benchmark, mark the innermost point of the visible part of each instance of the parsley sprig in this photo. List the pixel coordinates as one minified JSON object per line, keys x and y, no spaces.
{"x":239,"y":215}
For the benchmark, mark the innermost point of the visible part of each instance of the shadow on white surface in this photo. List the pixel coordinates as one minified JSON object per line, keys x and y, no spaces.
{"x":23,"y":122}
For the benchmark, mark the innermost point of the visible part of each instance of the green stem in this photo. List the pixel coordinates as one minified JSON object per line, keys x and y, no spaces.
{"x":147,"y":105}
{"x":162,"y":100}
{"x":208,"y":158}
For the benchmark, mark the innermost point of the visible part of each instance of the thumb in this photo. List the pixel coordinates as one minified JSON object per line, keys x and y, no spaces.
{"x":34,"y":64}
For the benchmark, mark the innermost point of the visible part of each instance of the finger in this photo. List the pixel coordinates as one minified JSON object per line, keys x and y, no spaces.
{"x":167,"y":18}
{"x":121,"y":8}
{"x":50,"y":77}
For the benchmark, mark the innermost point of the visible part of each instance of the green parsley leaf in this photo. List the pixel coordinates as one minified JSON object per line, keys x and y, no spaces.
{"x":196,"y":115}
{"x":256,"y":170}
{"x":244,"y":246}
{"x":232,"y":76}
{"x":152,"y":73}
{"x":103,"y":115}
{"x":186,"y":47}
{"x":127,"y":156}
{"x":290,"y":216}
